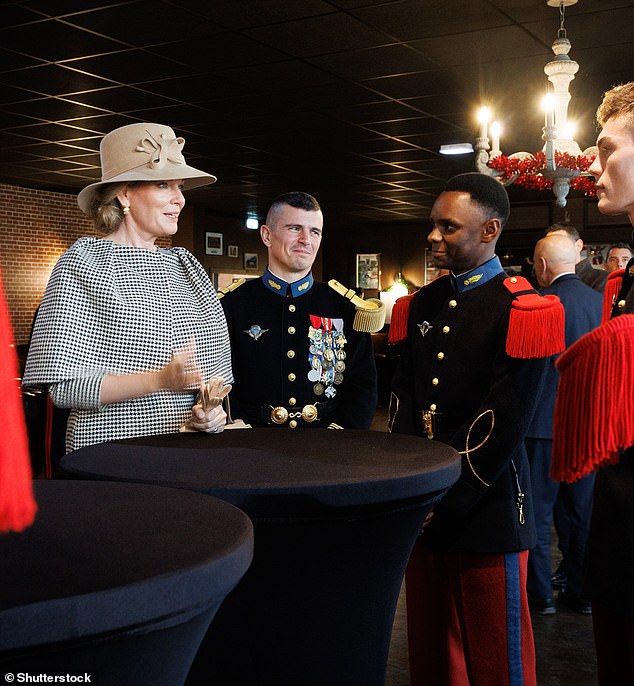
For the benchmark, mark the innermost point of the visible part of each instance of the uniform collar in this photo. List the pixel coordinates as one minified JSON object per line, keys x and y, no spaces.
{"x":283,"y":288}
{"x":478,"y":276}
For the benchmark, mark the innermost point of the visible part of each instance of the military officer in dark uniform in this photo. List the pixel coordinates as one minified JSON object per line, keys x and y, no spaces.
{"x":298,"y":358}
{"x":597,"y":433}
{"x":470,"y":371}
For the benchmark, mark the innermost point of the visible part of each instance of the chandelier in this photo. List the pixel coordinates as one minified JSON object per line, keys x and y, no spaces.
{"x":560,"y":165}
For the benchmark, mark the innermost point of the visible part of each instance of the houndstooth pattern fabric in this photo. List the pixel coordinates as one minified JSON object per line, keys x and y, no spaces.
{"x":115,"y":309}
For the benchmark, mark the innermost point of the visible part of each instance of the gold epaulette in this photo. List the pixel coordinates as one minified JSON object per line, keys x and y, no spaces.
{"x":231,"y":287}
{"x":370,"y":314}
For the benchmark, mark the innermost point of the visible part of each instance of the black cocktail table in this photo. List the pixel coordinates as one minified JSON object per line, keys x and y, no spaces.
{"x":336,"y":514}
{"x":116,"y":581}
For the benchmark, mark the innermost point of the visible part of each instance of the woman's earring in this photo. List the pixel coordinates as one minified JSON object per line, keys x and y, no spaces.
{"x":125,"y":210}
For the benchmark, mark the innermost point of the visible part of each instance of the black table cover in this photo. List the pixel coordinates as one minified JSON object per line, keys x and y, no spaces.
{"x":336,"y":514}
{"x":117,"y":581}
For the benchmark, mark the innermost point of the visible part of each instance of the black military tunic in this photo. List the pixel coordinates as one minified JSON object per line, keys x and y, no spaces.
{"x":456,"y":382}
{"x":297,"y":361}
{"x":610,"y":565}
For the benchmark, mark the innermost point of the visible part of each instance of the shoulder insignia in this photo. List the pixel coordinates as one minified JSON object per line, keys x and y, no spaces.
{"x":536,"y":322}
{"x":397,"y":333}
{"x":370,"y":314}
{"x":611,"y":292}
{"x":594,"y":432}
{"x":231,"y":287}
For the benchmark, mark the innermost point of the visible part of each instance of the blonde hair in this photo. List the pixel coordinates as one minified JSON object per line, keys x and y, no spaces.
{"x":617,"y":102}
{"x":105,"y":210}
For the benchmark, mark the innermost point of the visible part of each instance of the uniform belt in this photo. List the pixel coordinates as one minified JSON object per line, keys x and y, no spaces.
{"x":293,"y":416}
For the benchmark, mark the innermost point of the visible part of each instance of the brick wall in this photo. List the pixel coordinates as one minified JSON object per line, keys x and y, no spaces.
{"x":36,"y":227}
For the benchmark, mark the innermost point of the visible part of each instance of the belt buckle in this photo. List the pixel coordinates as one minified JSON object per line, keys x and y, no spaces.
{"x":309,"y":413}
{"x":428,"y":423}
{"x":279,"y":415}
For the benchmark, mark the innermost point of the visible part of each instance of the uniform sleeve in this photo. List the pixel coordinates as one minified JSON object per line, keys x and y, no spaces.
{"x":401,"y":412}
{"x":226,"y":303}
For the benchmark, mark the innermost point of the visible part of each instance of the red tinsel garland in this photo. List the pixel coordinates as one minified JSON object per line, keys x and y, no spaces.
{"x":527,"y":172}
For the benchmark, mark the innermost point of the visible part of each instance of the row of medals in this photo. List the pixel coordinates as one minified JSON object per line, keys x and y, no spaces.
{"x":326,"y":358}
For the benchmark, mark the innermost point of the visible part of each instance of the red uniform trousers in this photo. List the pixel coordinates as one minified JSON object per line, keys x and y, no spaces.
{"x":468,"y":619}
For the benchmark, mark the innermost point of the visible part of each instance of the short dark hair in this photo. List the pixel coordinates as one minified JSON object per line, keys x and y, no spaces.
{"x":485,"y":191}
{"x":622,"y":246}
{"x":563,"y":226}
{"x":298,"y":199}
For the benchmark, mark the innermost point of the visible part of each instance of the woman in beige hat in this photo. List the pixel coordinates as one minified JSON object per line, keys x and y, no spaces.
{"x":127,"y":332}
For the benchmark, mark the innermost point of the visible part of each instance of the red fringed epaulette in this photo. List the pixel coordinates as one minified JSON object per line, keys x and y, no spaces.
{"x":611,"y":292}
{"x":536,"y":322}
{"x":397,"y":332}
{"x":17,"y":506}
{"x":594,"y":409}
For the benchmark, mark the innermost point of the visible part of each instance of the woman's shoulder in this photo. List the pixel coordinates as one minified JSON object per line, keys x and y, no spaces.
{"x":184,"y":257}
{"x":85,"y":251}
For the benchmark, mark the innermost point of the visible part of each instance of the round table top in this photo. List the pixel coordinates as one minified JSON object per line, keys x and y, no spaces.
{"x":248,"y":466}
{"x":105,"y":556}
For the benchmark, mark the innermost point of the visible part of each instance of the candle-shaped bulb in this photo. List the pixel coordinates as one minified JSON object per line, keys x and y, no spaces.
{"x":496,"y":130}
{"x":548,"y":104}
{"x":483,"y":117}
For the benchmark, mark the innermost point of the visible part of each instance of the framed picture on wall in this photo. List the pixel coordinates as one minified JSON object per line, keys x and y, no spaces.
{"x":232,"y":251}
{"x":213,"y":243}
{"x":369,"y":270}
{"x":250,"y":260}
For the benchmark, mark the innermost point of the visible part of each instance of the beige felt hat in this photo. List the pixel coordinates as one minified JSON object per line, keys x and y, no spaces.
{"x":142,"y":152}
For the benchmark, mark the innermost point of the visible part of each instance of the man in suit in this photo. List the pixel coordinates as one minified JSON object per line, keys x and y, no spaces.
{"x":595,"y":278}
{"x":554,"y":262}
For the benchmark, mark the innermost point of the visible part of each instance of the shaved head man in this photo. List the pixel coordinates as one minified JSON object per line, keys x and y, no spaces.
{"x":555,"y":254}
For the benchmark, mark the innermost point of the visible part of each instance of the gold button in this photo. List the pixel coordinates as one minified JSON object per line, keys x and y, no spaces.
{"x":446,"y":329}
{"x":292,"y":423}
{"x":452,"y":304}
{"x":291,"y":308}
{"x":441,"y":356}
{"x":292,"y":401}
{"x":291,"y":377}
{"x":513,"y":279}
{"x":432,"y":407}
{"x":621,"y":304}
{"x":290,"y":354}
{"x":291,"y":329}
{"x":434,"y":382}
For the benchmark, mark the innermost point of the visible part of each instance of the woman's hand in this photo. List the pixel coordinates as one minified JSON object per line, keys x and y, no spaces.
{"x":208,"y":414}
{"x":182,"y":372}
{"x":213,"y":421}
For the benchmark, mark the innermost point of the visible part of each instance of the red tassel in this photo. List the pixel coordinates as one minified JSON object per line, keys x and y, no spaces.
{"x":611,"y":292}
{"x":17,"y":506}
{"x":397,"y":332}
{"x":594,"y":409}
{"x":536,"y":327}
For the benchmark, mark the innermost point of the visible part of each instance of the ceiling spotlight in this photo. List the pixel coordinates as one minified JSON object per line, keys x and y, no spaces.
{"x":456,"y":149}
{"x":252,"y":223}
